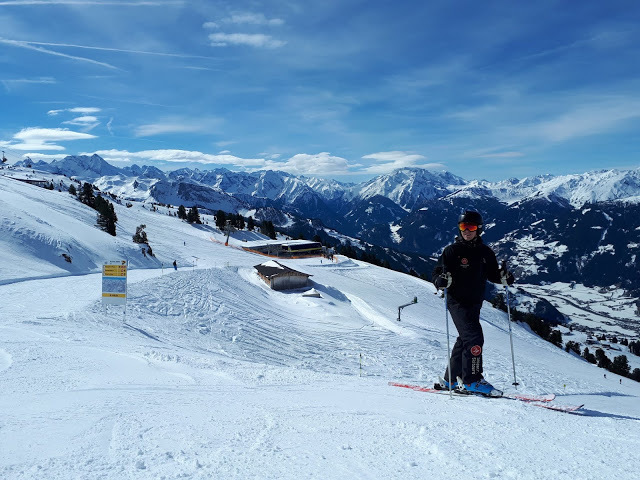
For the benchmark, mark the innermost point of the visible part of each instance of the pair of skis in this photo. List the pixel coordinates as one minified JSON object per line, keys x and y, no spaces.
{"x":542,"y":401}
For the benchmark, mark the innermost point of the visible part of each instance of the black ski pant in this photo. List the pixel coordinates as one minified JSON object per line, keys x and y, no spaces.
{"x":466,"y":356}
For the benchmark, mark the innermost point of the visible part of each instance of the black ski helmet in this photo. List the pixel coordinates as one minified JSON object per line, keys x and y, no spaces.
{"x":471,"y":216}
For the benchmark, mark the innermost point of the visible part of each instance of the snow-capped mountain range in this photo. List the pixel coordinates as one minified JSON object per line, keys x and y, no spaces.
{"x":407,"y":187}
{"x":582,"y":227}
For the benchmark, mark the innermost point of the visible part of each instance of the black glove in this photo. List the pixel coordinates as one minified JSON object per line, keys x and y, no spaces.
{"x":443,"y":281}
{"x":506,"y":277}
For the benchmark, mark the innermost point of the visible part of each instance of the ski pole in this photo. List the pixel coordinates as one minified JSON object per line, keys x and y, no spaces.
{"x":446,"y":319}
{"x":513,"y":358}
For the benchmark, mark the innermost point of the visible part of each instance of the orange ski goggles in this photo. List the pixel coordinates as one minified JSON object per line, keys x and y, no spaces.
{"x":472,"y":227}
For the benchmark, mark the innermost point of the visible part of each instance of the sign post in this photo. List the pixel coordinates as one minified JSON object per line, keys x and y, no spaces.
{"x":114,"y":283}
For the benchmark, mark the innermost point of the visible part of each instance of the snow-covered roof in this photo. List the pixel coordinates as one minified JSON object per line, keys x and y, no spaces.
{"x":272,"y":269}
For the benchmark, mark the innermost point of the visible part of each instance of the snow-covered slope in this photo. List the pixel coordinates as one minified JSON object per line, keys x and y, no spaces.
{"x":210,"y":374}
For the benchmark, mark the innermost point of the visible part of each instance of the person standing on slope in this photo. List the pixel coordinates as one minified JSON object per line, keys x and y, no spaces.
{"x":463,"y":269}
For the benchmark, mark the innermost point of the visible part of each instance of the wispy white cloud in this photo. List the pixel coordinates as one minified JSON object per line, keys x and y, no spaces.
{"x":178,"y":156}
{"x":257,"y":40}
{"x":270,"y":156}
{"x":123,"y":3}
{"x":254,"y":19}
{"x":388,"y":161}
{"x":178,"y":125}
{"x":226,"y":143}
{"x":44,"y":138}
{"x":246,"y":18}
{"x":116,"y":50}
{"x":316,"y":164}
{"x":311,"y":164}
{"x":9,"y":83}
{"x":249,"y":39}
{"x":417,"y":80}
{"x":605,"y":39}
{"x":83,"y":120}
{"x":85,"y":110}
{"x":501,"y":155}
{"x":29,"y":46}
{"x":587,"y":118}
{"x":88,"y":122}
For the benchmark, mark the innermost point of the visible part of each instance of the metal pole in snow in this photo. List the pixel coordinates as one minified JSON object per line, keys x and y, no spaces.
{"x":513,"y":358}
{"x":446,"y":317}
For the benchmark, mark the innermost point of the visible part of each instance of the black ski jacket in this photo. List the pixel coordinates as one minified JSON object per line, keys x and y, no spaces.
{"x":471,"y":264}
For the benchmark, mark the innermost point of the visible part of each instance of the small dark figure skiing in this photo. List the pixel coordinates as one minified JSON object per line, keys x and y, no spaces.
{"x":463,"y":269}
{"x":175,"y":265}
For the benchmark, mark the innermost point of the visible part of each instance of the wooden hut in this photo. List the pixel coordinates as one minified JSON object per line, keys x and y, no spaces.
{"x":281,"y":277}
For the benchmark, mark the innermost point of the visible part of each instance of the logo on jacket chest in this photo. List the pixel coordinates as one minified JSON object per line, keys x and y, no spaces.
{"x":466,"y":263}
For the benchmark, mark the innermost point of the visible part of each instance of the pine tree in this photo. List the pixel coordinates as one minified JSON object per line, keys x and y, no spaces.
{"x":182,"y":212}
{"x":251,"y":225}
{"x":72,"y":190}
{"x":86,"y":196}
{"x":268,"y":229}
{"x":193,"y":216}
{"x":106,"y":215}
{"x":621,"y":365}
{"x":221,"y":219}
{"x":588,"y":356}
{"x":555,"y":337}
{"x":572,"y":346}
{"x":603,"y":360}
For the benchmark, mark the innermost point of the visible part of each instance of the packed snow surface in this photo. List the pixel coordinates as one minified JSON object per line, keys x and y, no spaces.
{"x":208,"y":373}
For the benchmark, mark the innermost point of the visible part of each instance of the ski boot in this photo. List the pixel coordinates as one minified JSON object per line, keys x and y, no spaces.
{"x":444,"y":385}
{"x":481,"y":387}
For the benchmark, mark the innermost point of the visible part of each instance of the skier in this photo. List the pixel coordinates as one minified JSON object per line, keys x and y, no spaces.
{"x":175,"y":265}
{"x":464,"y":268}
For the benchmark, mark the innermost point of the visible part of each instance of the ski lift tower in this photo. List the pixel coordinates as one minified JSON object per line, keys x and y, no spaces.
{"x":414,"y":301}
{"x":228,"y":228}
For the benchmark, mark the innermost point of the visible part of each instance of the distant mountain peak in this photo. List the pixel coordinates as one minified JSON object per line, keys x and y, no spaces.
{"x":84,"y":167}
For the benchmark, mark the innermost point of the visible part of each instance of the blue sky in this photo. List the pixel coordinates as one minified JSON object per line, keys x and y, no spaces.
{"x":345,"y":89}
